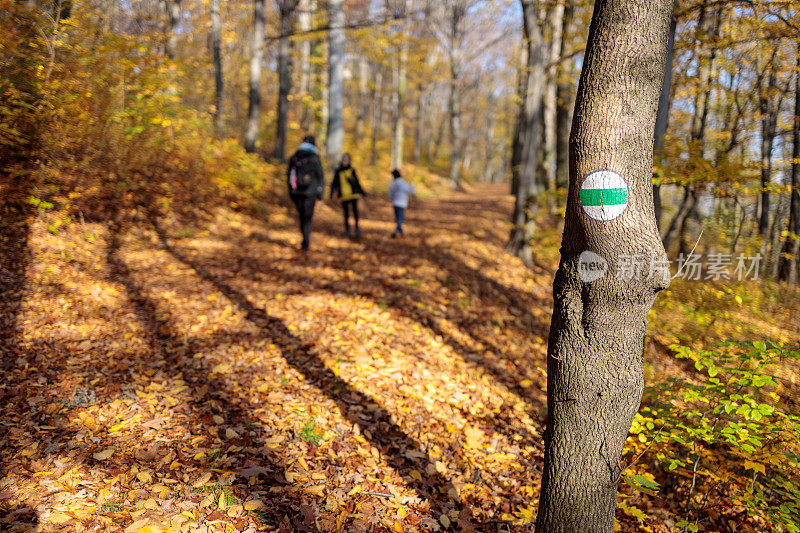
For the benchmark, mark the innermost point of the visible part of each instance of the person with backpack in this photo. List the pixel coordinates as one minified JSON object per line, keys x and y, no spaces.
{"x":347,"y":188}
{"x":306,"y":181}
{"x":398,"y":193}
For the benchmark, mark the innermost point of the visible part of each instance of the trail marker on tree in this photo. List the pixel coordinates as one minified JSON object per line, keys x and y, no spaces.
{"x":604,"y":195}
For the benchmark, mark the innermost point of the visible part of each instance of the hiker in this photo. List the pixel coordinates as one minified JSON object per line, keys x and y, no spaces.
{"x":306,"y":181}
{"x":398,"y":193}
{"x":347,"y":188}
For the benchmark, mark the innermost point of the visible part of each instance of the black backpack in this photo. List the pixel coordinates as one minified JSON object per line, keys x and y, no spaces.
{"x":301,"y":174}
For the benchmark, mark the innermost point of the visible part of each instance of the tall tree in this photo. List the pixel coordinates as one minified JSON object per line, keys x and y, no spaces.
{"x":399,"y":94}
{"x":769,"y":103}
{"x":304,"y":25}
{"x":254,"y":94}
{"x":662,"y":116}
{"x":556,"y":24}
{"x":789,"y":269}
{"x":456,"y":12}
{"x":216,"y":47}
{"x":564,"y":96}
{"x":335,"y":134}
{"x":595,"y":374}
{"x":286,"y":10}
{"x":528,"y":136}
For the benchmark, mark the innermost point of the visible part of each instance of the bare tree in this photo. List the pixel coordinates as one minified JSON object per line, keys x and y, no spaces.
{"x":335,"y":133}
{"x":216,"y":31}
{"x":286,"y":9}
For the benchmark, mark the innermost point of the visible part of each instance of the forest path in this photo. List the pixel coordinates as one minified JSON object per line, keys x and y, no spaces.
{"x":181,"y":374}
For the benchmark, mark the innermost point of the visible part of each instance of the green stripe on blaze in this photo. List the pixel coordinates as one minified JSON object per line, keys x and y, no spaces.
{"x":599,"y":197}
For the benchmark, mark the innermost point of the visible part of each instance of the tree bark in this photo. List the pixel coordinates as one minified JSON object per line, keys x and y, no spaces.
{"x":286,"y":8}
{"x":335,"y":134}
{"x":527,"y":137}
{"x":216,"y":47}
{"x":254,"y":96}
{"x":790,"y":262}
{"x":564,"y":95}
{"x":662,"y":116}
{"x":595,"y":371}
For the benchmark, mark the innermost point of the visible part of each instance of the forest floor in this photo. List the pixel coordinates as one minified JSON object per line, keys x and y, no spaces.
{"x":206,"y":376}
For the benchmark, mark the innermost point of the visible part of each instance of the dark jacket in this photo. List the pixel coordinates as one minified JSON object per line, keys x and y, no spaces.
{"x":307,"y":156}
{"x":355,"y":185}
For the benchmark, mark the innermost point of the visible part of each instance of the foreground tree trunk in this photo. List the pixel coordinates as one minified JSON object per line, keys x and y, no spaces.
{"x":286,"y":8}
{"x":216,"y":47}
{"x":335,"y":134}
{"x":254,"y":97}
{"x":527,"y":137}
{"x":595,"y":373}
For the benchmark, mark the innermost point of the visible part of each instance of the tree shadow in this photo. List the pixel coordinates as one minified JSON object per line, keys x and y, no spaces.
{"x":401,"y":452}
{"x":17,"y":518}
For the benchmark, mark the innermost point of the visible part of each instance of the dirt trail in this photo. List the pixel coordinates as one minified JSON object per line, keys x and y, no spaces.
{"x":197,"y":375}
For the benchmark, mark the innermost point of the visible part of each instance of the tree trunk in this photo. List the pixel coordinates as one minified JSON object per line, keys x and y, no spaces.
{"x":254,"y":97}
{"x":377,"y":114}
{"x":564,"y":94}
{"x":363,"y":97}
{"x":457,"y":13}
{"x":216,"y":46}
{"x":556,"y":23}
{"x":173,"y":9}
{"x":399,"y":94}
{"x":419,"y":124}
{"x":335,"y":134}
{"x":770,"y":108}
{"x":286,"y":9}
{"x":595,"y":371}
{"x":303,"y":25}
{"x":527,"y":138}
{"x":662,"y":116}
{"x":684,"y":209}
{"x":789,"y":262}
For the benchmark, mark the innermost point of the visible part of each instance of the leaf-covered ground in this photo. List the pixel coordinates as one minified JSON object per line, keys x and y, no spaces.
{"x":205,"y":376}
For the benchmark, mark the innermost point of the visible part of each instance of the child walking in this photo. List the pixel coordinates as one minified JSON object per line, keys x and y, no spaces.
{"x":398,"y":193}
{"x":347,"y":188}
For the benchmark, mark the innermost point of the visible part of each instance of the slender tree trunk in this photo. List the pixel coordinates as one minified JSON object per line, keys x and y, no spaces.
{"x":556,"y":23}
{"x":770,"y":108}
{"x":286,"y":9}
{"x":335,"y":135}
{"x":303,"y":25}
{"x":454,"y":113}
{"x":216,"y":46}
{"x":564,"y":96}
{"x":419,"y":122}
{"x":254,"y":97}
{"x":435,"y":147}
{"x":173,"y":9}
{"x":790,"y":262}
{"x":377,"y":114}
{"x":529,"y":128}
{"x":595,"y":372}
{"x":363,"y":97}
{"x":662,"y":116}
{"x":399,"y":94}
